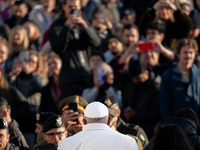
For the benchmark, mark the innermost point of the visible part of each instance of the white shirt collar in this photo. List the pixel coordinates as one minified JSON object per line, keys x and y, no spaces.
{"x":96,"y":126}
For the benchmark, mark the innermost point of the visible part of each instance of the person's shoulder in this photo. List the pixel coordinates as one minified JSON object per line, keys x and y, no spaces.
{"x":195,"y":68}
{"x":11,"y":146}
{"x":101,"y":6}
{"x":122,"y":136}
{"x":37,"y":8}
{"x":14,"y":124}
{"x":58,"y":22}
{"x":69,"y":140}
{"x":133,"y":130}
{"x":169,"y":71}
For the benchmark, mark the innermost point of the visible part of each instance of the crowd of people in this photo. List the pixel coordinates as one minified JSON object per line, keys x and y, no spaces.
{"x":68,"y":67}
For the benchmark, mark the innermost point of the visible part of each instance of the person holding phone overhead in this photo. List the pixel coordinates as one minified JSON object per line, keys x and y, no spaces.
{"x":72,"y":109}
{"x":154,"y":53}
{"x":71,"y":37}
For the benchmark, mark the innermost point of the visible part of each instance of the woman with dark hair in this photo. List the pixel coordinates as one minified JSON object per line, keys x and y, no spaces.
{"x":170,"y":137}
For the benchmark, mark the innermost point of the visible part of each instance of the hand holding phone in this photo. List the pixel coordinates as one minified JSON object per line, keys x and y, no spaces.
{"x":73,"y":106}
{"x":146,"y":46}
{"x":75,"y":12}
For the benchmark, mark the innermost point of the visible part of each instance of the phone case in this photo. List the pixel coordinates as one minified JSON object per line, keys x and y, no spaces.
{"x":73,"y":106}
{"x":146,"y":46}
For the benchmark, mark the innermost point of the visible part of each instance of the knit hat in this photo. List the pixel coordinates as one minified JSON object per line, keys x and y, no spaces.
{"x":116,"y":37}
{"x":188,"y":113}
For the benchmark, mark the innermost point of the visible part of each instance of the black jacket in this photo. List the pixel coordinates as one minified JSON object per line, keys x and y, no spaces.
{"x":49,"y":100}
{"x":144,"y":99}
{"x":72,"y":44}
{"x":12,"y":22}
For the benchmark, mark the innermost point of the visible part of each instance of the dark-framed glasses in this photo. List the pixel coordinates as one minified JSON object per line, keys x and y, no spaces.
{"x":52,"y":135}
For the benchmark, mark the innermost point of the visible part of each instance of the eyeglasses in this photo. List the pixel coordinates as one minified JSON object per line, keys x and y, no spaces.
{"x":52,"y":135}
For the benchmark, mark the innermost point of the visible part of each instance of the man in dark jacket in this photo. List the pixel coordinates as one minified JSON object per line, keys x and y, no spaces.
{"x":141,"y":98}
{"x":16,"y":137}
{"x":71,"y":38}
{"x":180,"y":85}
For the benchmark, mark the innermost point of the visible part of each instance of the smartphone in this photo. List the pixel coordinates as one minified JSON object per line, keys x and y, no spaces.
{"x":101,"y":76}
{"x":75,"y":12}
{"x":146,"y":46}
{"x":23,"y":56}
{"x":73,"y":106}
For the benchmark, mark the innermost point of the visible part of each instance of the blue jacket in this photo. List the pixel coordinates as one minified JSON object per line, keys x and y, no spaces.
{"x":176,"y":93}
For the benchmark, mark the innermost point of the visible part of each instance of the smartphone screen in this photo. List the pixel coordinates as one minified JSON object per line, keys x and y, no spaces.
{"x":24,"y":56}
{"x":101,"y":76}
{"x":73,"y":106}
{"x":146,"y":46}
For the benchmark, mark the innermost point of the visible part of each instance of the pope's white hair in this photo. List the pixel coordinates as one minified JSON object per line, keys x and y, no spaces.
{"x":97,"y":120}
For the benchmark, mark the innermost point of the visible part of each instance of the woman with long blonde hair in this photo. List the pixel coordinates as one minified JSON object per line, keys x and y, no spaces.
{"x":19,"y":40}
{"x":33,"y":35}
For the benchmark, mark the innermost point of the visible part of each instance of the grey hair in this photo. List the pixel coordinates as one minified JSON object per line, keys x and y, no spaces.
{"x":97,"y":120}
